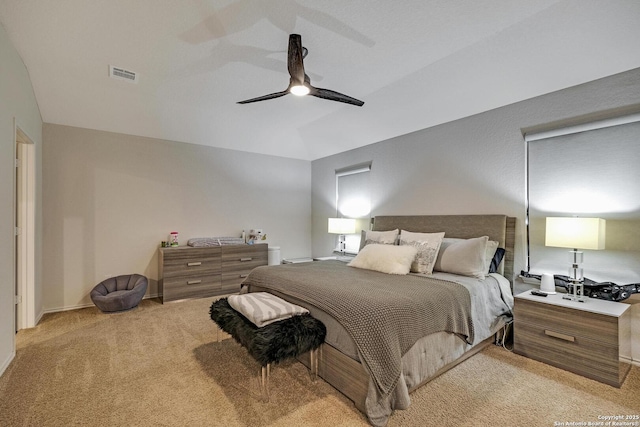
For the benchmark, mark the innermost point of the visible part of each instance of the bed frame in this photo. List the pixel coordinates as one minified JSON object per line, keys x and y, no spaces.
{"x":347,"y":375}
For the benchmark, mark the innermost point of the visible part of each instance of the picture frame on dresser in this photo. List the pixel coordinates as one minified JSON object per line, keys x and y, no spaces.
{"x":186,"y":272}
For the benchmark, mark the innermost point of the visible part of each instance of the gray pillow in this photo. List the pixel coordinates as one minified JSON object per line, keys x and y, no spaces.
{"x":465,"y":257}
{"x":379,"y":237}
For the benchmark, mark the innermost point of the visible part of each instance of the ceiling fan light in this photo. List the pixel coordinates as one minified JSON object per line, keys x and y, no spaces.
{"x":299,"y":90}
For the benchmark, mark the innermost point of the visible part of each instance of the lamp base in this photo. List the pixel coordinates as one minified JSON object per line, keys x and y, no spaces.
{"x":578,"y":298}
{"x":577,"y":292}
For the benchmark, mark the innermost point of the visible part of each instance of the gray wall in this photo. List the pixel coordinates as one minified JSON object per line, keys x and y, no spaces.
{"x":472,"y":165}
{"x":109,"y":199}
{"x":17,"y":102}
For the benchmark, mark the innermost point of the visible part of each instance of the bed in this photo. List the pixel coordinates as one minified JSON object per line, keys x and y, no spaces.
{"x":379,"y":378}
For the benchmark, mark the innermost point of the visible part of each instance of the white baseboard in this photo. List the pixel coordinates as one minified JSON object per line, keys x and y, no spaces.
{"x":38,"y":317}
{"x":627,"y":359}
{"x":79,"y":306}
{"x":67,"y":308}
{"x":7,"y":362}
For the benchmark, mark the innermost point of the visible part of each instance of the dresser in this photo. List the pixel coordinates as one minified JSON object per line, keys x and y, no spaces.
{"x":586,"y":338}
{"x":186,"y":272}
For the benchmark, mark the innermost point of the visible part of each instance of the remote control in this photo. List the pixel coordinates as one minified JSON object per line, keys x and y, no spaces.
{"x":538,"y":293}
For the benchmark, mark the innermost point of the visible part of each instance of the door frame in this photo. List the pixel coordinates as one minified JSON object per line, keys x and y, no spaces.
{"x":24,"y":249}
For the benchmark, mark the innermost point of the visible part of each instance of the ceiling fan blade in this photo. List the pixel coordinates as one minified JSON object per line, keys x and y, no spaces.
{"x":264,"y":97}
{"x":335,"y":96}
{"x":294,"y":59}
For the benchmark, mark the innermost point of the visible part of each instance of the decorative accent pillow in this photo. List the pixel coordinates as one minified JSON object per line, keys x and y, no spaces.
{"x":388,"y":259}
{"x":497,"y":259}
{"x":379,"y":237}
{"x":465,"y":257}
{"x":427,"y":245}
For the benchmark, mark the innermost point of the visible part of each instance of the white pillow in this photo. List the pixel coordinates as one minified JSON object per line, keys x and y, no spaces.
{"x":464,"y":257}
{"x":427,"y":245}
{"x":492,"y":246}
{"x":388,"y":259}
{"x":381,"y":237}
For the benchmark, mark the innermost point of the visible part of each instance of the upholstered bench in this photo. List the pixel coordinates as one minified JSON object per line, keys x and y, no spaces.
{"x":273,"y":343}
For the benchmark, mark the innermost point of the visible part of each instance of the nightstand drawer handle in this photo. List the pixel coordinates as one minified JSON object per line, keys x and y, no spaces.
{"x":242,"y":276}
{"x":193,"y":264}
{"x":559,"y":335}
{"x":245,"y":259}
{"x":193,"y":282}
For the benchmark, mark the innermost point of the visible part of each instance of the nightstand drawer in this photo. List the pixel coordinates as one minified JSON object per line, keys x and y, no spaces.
{"x":584,"y":338}
{"x":569,"y":322}
{"x":570,"y":352}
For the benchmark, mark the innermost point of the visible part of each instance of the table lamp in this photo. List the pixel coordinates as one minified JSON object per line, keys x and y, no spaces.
{"x":576,"y":233}
{"x":342,"y":226}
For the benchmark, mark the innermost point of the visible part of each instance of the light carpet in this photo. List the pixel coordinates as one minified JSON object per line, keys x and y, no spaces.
{"x":162,"y":365}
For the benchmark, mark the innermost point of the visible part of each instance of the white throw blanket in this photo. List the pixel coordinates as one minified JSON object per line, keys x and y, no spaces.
{"x":262,"y":308}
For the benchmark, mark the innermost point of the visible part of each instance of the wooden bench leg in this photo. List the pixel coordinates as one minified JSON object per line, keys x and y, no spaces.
{"x":264,"y":382}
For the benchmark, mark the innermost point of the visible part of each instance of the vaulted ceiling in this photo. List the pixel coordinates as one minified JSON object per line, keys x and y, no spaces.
{"x":415,"y":64}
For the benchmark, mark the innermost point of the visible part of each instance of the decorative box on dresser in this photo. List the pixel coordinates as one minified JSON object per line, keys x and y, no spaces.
{"x":187,"y":272}
{"x":585,"y":338}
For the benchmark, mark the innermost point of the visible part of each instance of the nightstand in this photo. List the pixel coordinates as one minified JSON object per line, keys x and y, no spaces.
{"x":585,"y":338}
{"x":296,"y":260}
{"x":344,"y":258}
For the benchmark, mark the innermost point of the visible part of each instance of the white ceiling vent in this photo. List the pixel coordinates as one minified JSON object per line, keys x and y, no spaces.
{"x":122,"y":74}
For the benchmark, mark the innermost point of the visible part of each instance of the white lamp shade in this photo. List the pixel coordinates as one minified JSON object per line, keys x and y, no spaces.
{"x":576,"y":233}
{"x":342,"y":225}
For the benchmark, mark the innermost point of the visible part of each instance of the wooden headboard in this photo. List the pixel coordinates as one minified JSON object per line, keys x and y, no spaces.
{"x":500,"y":228}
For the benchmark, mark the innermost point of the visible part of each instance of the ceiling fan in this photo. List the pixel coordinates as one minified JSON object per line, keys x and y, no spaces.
{"x":299,"y":82}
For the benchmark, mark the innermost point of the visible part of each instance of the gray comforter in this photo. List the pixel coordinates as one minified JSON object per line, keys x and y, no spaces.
{"x":384,"y":321}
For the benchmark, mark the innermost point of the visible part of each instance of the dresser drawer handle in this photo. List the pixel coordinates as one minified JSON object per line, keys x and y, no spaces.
{"x":193,"y":264}
{"x":242,"y":276}
{"x":559,"y":335}
{"x":245,"y":259}
{"x":193,"y":282}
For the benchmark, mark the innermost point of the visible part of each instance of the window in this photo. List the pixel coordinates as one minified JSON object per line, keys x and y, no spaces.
{"x":589,"y":171}
{"x":353,"y":200}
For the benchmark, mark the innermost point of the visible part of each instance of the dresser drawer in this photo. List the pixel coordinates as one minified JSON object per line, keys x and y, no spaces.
{"x":585,"y":325}
{"x":191,"y":287}
{"x":191,"y":261}
{"x":232,"y":281}
{"x":243,"y":259}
